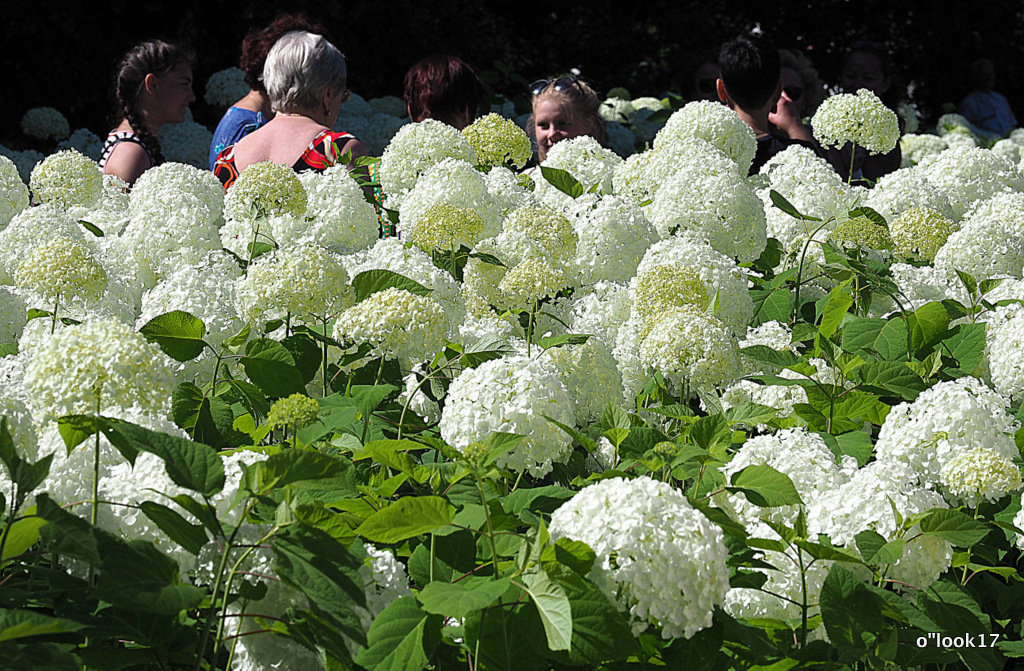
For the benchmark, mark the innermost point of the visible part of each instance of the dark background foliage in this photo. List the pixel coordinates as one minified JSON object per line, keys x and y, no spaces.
{"x":62,"y":52}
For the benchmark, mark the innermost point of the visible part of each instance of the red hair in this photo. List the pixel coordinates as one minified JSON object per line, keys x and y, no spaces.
{"x":257,"y":44}
{"x":442,"y":87}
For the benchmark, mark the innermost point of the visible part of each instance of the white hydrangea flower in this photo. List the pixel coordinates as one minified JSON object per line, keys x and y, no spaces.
{"x":866,"y":501}
{"x":12,"y":315}
{"x":913,"y":147}
{"x":225,"y":87}
{"x":506,"y":189}
{"x":25,"y":161}
{"x":186,"y":142}
{"x":397,"y":323}
{"x":538,"y":227}
{"x":84,"y":141}
{"x":532,"y":279}
{"x":26,"y":229}
{"x":906,"y":189}
{"x":338,"y":216}
{"x":169,"y":179}
{"x":20,"y":426}
{"x":591,"y":375}
{"x":13,"y":192}
{"x":67,"y":179}
{"x":45,"y":123}
{"x":711,"y":274}
{"x":585,"y":159}
{"x":778,"y":396}
{"x":305,"y":282}
{"x":942,"y":422}
{"x":110,"y":215}
{"x":990,"y":242}
{"x":61,"y":269}
{"x":392,"y":105}
{"x":418,"y":401}
{"x":860,"y":118}
{"x":980,"y":472}
{"x":600,"y":310}
{"x":1005,"y":349}
{"x":715,"y":123}
{"x":99,"y":364}
{"x":498,"y":141}
{"x":613,"y":236}
{"x":455,"y":182}
{"x":799,"y":454}
{"x":969,"y":174}
{"x":722,"y":207}
{"x":641,"y":175}
{"x":920,"y":232}
{"x":265,"y":189}
{"x":685,"y":342}
{"x":413,"y":150}
{"x":511,"y":394}
{"x":657,"y":556}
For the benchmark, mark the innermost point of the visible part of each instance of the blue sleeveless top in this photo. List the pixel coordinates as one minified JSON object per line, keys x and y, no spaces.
{"x":234,"y":125}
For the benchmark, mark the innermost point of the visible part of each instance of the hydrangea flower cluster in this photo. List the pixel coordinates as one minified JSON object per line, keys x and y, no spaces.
{"x":265,"y":189}
{"x":498,"y":141}
{"x":585,"y":159}
{"x":413,"y":150}
{"x":100,"y":364}
{"x":445,"y":227}
{"x":967,"y":175}
{"x":454,"y":182}
{"x":920,"y":232}
{"x":861,"y":233}
{"x":656,"y":555}
{"x":399,"y":324}
{"x":613,"y":236}
{"x":532,"y":279}
{"x":860,"y":118}
{"x":225,"y":87}
{"x":1004,"y":349}
{"x":45,"y":123}
{"x":293,"y":412}
{"x":591,"y":376}
{"x":186,"y":142}
{"x":543,"y":227}
{"x":84,"y":141}
{"x":61,"y":269}
{"x":337,"y":214}
{"x":304,"y":281}
{"x":689,"y":343}
{"x":13,"y":192}
{"x":67,"y":179}
{"x":913,"y":147}
{"x":512,"y":394}
{"x":980,"y":473}
{"x":715,"y":123}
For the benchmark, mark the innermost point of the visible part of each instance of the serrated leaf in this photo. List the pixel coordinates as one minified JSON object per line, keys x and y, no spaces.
{"x":765,"y":354}
{"x":401,"y":638}
{"x":461,"y":598}
{"x":553,"y":606}
{"x":178,"y":333}
{"x":567,"y":339}
{"x":563,"y":181}
{"x":190,"y":536}
{"x":406,"y":518}
{"x":370,"y":282}
{"x":764,"y":486}
{"x":779,"y":201}
{"x":271,"y":367}
{"x":953,"y":526}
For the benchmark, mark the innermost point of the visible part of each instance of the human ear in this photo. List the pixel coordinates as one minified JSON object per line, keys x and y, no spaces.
{"x":149,"y":83}
{"x":723,"y":95}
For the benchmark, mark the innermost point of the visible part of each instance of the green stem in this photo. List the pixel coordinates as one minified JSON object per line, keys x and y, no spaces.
{"x":53,"y":317}
{"x":529,"y":327}
{"x":433,"y":555}
{"x":252,"y":245}
{"x":94,"y":515}
{"x":366,"y":417}
{"x":800,"y":271}
{"x":323,"y":367}
{"x":853,"y":153}
{"x":490,"y":527}
{"x":803,"y":605}
{"x":12,"y":518}
{"x":231,"y":578}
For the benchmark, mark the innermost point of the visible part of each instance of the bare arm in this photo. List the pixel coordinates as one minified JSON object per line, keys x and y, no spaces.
{"x":128,"y":160}
{"x":786,"y":118}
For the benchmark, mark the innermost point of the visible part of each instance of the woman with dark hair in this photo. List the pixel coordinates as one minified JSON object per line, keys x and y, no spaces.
{"x":444,"y":88}
{"x":153,"y":87}
{"x":305,"y":77}
{"x":253,"y":110}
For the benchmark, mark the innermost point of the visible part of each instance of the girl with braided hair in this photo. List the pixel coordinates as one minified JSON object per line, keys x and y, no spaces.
{"x":153,"y":87}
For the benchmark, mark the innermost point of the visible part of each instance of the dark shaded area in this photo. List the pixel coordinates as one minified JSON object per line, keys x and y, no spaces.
{"x":62,"y":53}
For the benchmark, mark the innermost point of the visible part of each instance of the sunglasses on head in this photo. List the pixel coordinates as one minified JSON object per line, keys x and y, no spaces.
{"x":560,"y":84}
{"x":706,"y":84}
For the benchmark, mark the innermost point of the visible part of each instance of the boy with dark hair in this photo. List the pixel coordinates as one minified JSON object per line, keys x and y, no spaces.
{"x":750,"y":85}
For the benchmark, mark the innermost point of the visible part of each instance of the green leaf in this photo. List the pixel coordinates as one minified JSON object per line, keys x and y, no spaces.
{"x":856,"y":444}
{"x":537,"y":499}
{"x":553,"y":607}
{"x":8,"y":349}
{"x":401,"y":638}
{"x":765,"y":354}
{"x":779,"y":201}
{"x":369,"y":397}
{"x":179,"y":334}
{"x":207,"y":419}
{"x":370,"y":282}
{"x":892,"y":376}
{"x":567,"y":339}
{"x":91,"y":227}
{"x":576,"y":555}
{"x":774,"y":305}
{"x":22,"y":535}
{"x":189,"y":464}
{"x":860,"y":333}
{"x":927,"y":323}
{"x":867,"y":212}
{"x":837,"y":304}
{"x":953,"y":526}
{"x":563,"y":181}
{"x":137,"y":576}
{"x":461,"y":598}
{"x":764,"y":486}
{"x":75,"y":429}
{"x":406,"y":518}
{"x":300,"y":468}
{"x":392,"y":453}
{"x":827,"y":552}
{"x":272,"y":368}
{"x":968,"y":281}
{"x":65,"y":533}
{"x":966,"y":345}
{"x":615,"y":417}
{"x":891,"y":342}
{"x":306,"y":354}
{"x":190,"y":536}
{"x":251,"y":398}
{"x":600,"y":633}
{"x":16,"y":624}
{"x":852,"y":614}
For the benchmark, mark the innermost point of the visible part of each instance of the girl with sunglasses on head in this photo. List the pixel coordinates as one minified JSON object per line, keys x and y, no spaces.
{"x":305,"y":77}
{"x":563,"y":108}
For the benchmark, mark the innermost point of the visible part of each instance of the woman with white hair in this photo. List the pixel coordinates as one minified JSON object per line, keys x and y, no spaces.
{"x":305,"y":79}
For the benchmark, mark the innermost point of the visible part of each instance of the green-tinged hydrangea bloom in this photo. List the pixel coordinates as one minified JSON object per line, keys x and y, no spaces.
{"x":67,"y":179}
{"x":61,"y":269}
{"x":862,"y":233}
{"x":498,"y":141}
{"x":13,"y":192}
{"x":667,"y":286}
{"x":533,"y":279}
{"x":861,"y":118}
{"x":690,"y":343}
{"x":544,"y":226}
{"x":293,"y":412}
{"x":398,"y":324}
{"x":100,"y":362}
{"x":446,"y":226}
{"x":45,"y":123}
{"x":302,"y":281}
{"x":920,"y":232}
{"x":265,"y":189}
{"x":980,"y":472}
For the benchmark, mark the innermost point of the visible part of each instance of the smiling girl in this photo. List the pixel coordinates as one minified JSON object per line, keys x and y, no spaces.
{"x":564,"y":108}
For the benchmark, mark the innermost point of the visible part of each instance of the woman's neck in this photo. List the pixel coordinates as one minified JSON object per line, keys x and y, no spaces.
{"x":256,"y":101}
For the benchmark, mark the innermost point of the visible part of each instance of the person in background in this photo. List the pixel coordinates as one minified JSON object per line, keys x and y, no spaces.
{"x":445,"y":88}
{"x":868,"y":66}
{"x":988,"y":110}
{"x":563,"y":108}
{"x":751,"y":86}
{"x":801,"y":82}
{"x":253,"y":109}
{"x":305,"y":77}
{"x":153,"y":87}
{"x":702,"y":85}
